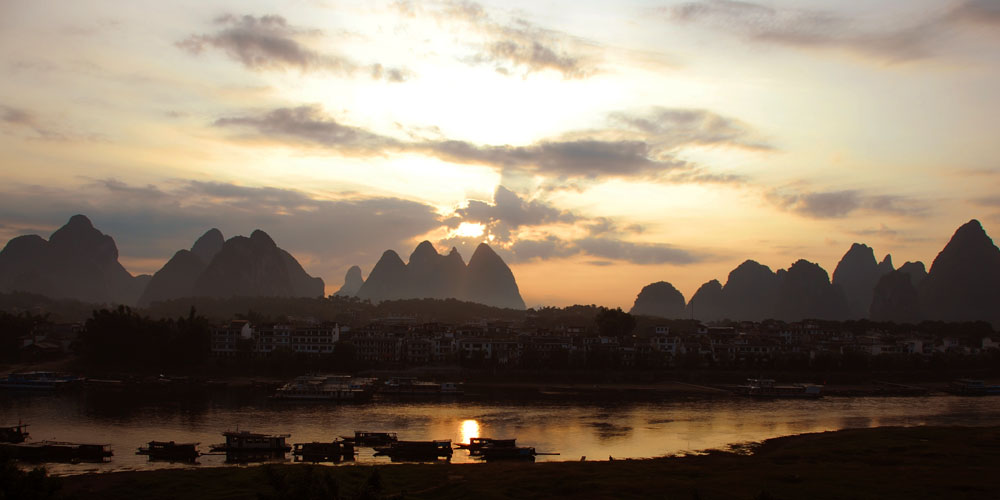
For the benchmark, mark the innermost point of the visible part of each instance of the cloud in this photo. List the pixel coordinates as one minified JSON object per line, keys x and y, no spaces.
{"x":838,"y":204}
{"x":804,"y":28}
{"x":508,"y":212}
{"x":977,"y":12}
{"x":269,"y":43}
{"x":516,"y":46}
{"x":643,"y":145}
{"x":11,"y":117}
{"x":987,"y":201}
{"x":150,"y":222}
{"x":514,"y":222}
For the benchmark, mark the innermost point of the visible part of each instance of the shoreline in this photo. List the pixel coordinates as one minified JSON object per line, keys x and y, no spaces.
{"x":880,"y":462}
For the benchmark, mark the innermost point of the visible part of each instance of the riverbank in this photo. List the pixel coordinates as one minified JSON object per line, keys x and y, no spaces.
{"x":888,"y":462}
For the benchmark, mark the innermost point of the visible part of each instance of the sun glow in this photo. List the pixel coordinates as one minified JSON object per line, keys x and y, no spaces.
{"x":470,"y":429}
{"x":470,"y":230}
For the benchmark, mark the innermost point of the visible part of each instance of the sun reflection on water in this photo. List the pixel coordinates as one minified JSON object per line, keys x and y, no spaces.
{"x":470,"y":429}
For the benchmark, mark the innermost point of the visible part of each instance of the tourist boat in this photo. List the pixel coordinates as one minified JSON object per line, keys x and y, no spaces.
{"x":37,"y":381}
{"x":766,"y":388}
{"x":318,"y":452}
{"x":416,"y":450}
{"x":476,"y":444}
{"x":56,"y":451}
{"x":325,"y":388}
{"x":246,"y":441}
{"x":14,"y":434}
{"x":169,"y":450}
{"x":410,"y":386}
{"x":368,"y":438}
{"x":972,"y":387}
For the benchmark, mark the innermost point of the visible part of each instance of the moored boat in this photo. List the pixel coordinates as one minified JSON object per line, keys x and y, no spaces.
{"x":169,"y":450}
{"x":38,"y":381}
{"x":476,"y":444}
{"x":57,"y":451}
{"x":246,"y":441}
{"x":318,"y":451}
{"x":767,"y":388}
{"x":972,"y":387}
{"x":14,"y":434}
{"x":368,"y":438}
{"x":410,"y":386}
{"x":526,"y":453}
{"x":416,"y":450}
{"x":325,"y":388}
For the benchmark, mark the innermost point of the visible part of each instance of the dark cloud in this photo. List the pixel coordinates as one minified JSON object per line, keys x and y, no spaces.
{"x":642,"y":145}
{"x":519,"y":46}
{"x":837,"y":204}
{"x":983,"y":12}
{"x":811,"y":28}
{"x":151,"y":223}
{"x":508,"y":212}
{"x":269,"y":43}
{"x":309,"y":125}
{"x":17,"y":118}
{"x":987,"y":201}
{"x":610,"y":248}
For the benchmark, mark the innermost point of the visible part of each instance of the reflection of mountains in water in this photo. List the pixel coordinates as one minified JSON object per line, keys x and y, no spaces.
{"x":963,"y":284}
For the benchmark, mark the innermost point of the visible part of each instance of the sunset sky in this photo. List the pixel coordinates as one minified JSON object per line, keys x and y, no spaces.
{"x":598,"y":146}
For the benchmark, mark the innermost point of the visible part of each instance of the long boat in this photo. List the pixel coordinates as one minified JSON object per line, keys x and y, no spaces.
{"x":476,"y":444}
{"x":525,"y":453}
{"x":319,"y":451}
{"x":369,"y":438}
{"x":246,"y":441}
{"x":766,"y":388}
{"x":57,"y":451}
{"x":972,"y":387}
{"x":325,"y":388}
{"x":169,"y":450}
{"x":410,"y":386}
{"x":38,"y":381}
{"x":416,"y":450}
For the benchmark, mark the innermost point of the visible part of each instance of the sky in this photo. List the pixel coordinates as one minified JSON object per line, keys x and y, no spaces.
{"x":597,"y":146}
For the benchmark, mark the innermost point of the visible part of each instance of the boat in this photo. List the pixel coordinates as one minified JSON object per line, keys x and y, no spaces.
{"x":767,"y":388}
{"x":57,"y":451}
{"x":169,"y":450}
{"x":526,"y":453}
{"x":972,"y":387}
{"x":410,"y":386}
{"x":319,"y":452}
{"x":416,"y":450}
{"x":246,"y":441}
{"x":368,"y":438}
{"x":38,"y":381}
{"x":14,"y":434}
{"x":476,"y":444}
{"x":325,"y":388}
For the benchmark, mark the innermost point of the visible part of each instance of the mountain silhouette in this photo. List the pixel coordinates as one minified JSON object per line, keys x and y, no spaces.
{"x":751,"y":292}
{"x":708,"y":303}
{"x":915,"y":270}
{"x":895,"y":299}
{"x":214,"y":267}
{"x":78,"y":262}
{"x":428,"y":274}
{"x":857,"y":273}
{"x":963,"y":283}
{"x":352,"y":282}
{"x":805,"y":291}
{"x":659,"y":299}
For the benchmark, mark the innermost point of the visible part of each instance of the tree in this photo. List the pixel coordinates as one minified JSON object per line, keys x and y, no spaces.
{"x":614,"y":322}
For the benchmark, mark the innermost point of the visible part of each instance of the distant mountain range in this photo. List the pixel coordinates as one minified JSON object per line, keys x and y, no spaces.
{"x":485,"y":280}
{"x":79,"y":262}
{"x":963,"y":284}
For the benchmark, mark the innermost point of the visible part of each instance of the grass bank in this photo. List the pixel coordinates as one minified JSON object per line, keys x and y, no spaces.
{"x":910,"y":463}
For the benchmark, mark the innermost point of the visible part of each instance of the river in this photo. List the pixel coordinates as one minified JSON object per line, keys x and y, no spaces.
{"x":572,"y":428}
